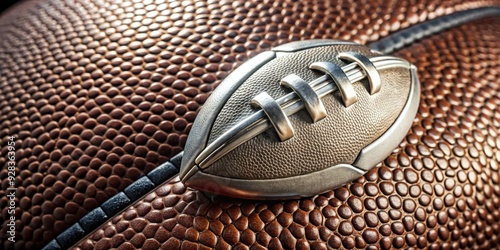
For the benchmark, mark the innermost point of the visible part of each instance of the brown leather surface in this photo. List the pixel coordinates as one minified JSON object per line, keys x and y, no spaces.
{"x":98,"y":93}
{"x":439,"y":189}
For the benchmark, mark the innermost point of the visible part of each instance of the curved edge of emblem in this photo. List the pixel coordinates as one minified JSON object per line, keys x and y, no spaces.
{"x":275,"y":189}
{"x":198,"y":136}
{"x":308,"y":44}
{"x":378,"y":150}
{"x":329,"y":178}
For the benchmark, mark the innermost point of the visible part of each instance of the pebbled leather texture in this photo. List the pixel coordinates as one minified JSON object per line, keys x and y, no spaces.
{"x":438,"y":190}
{"x":270,"y":158}
{"x":99,"y":93}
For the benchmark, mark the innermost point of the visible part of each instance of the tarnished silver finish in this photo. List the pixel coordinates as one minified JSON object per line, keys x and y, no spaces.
{"x":291,"y":187}
{"x":198,"y":135}
{"x":239,"y":159}
{"x":308,"y":44}
{"x":275,"y":114}
{"x":256,"y":123}
{"x":306,"y":93}
{"x":377,"y":150}
{"x":336,"y":175}
{"x":369,"y":68}
{"x":340,"y":78}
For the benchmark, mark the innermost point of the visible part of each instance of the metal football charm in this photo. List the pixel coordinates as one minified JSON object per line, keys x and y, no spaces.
{"x":299,"y":120}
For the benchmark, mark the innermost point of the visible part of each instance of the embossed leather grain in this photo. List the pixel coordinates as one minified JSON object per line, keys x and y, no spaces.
{"x":99,"y":93}
{"x":438,"y":190}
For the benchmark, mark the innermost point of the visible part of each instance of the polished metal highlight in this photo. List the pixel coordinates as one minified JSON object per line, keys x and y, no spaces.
{"x":380,"y":148}
{"x":306,"y":93}
{"x":290,"y":104}
{"x":341,"y":80}
{"x":275,"y":114}
{"x":369,"y":68}
{"x":341,"y":173}
{"x":237,"y":150}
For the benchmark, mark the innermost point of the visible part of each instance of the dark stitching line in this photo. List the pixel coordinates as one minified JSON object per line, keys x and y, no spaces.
{"x":169,"y":169}
{"x":416,"y":32}
{"x":116,"y":204}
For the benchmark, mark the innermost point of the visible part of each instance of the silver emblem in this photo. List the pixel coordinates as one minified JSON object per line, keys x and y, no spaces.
{"x":257,"y":116}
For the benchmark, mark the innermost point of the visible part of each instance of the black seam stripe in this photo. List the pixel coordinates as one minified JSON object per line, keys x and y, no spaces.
{"x":166,"y":171}
{"x":116,"y":204}
{"x":416,"y":32}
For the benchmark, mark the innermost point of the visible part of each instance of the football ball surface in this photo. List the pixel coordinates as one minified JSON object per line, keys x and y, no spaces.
{"x":301,"y":119}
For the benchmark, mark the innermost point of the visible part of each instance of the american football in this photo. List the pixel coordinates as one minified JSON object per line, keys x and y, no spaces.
{"x":311,"y":111}
{"x":301,"y":119}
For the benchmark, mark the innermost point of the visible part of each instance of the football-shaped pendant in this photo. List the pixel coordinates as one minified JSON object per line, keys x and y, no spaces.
{"x":299,"y":120}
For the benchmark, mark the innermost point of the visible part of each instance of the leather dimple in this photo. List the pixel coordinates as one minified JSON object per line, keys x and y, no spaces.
{"x":58,"y":59}
{"x":407,"y":201}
